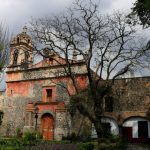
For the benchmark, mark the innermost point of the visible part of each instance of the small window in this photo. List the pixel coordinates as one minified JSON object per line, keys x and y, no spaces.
{"x":49,"y":94}
{"x":15,"y":57}
{"x":26,"y":56}
{"x":18,"y":40}
{"x":109,"y":104}
{"x":51,"y":60}
{"x":28,"y":41}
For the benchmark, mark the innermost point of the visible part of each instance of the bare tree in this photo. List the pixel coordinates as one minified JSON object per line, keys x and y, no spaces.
{"x":4,"y":44}
{"x":108,"y":45}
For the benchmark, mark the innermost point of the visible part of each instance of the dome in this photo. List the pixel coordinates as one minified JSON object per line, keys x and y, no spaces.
{"x":22,"y":38}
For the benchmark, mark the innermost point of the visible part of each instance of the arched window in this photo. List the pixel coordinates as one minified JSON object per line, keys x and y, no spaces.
{"x":18,"y":39}
{"x":50,"y":60}
{"x":109,"y":102}
{"x":28,"y":41}
{"x":15,"y":57}
{"x":26,"y":56}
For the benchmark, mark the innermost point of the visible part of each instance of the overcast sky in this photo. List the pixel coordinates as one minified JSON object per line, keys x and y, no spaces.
{"x":16,"y":13}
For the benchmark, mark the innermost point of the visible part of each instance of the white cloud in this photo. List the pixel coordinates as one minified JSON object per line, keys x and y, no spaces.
{"x":113,"y":5}
{"x":16,"y":13}
{"x":123,"y":4}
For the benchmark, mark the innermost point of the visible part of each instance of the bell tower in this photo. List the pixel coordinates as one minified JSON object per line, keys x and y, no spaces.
{"x":21,"y":49}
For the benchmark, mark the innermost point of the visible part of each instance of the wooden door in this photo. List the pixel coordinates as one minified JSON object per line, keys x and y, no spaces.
{"x":127,"y":132}
{"x":47,"y":127}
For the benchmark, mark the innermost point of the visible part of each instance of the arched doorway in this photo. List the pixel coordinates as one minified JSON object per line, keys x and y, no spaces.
{"x":47,"y":126}
{"x":109,"y":125}
{"x":136,"y":129}
{"x":112,"y":124}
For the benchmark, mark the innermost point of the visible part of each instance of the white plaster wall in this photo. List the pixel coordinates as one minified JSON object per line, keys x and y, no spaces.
{"x":133,"y":122}
{"x":93,"y":132}
{"x":114,"y":127}
{"x":113,"y":124}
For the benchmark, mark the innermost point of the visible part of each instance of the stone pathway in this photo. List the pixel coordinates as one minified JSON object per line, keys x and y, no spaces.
{"x":138,"y":147}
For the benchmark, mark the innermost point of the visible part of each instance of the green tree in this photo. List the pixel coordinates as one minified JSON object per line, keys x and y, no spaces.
{"x":142,"y":10}
{"x":107,"y":44}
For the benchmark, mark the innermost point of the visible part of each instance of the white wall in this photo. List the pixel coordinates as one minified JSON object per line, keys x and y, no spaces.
{"x":114,"y":127}
{"x":133,"y":122}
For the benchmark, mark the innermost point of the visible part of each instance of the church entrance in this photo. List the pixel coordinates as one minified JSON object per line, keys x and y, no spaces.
{"x":47,"y":127}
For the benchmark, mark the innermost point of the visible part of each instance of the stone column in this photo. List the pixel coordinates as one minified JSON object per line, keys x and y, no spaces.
{"x":29,"y":120}
{"x":61,"y":124}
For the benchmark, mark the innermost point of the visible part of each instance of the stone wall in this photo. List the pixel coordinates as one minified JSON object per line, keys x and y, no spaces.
{"x":20,"y":93}
{"x":132,"y":99}
{"x":133,"y":95}
{"x":14,"y":115}
{"x":43,"y":72}
{"x":62,"y":124}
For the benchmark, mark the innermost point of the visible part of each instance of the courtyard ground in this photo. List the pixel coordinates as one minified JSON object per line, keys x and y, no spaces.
{"x":138,"y":147}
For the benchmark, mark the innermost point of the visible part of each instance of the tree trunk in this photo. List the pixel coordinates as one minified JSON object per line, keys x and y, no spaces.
{"x":98,"y":127}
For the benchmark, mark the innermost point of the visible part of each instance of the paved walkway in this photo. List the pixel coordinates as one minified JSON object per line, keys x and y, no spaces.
{"x":138,"y":147}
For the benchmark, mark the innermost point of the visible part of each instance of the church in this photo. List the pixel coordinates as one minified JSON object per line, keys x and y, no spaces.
{"x":37,"y":97}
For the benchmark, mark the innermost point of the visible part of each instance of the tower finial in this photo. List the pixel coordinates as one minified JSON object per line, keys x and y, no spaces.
{"x":25,"y":29}
{"x":74,"y":55}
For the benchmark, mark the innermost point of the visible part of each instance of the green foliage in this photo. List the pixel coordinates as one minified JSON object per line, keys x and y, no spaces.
{"x":18,"y":132}
{"x":86,"y":146}
{"x":21,"y":144}
{"x":31,"y":136}
{"x":112,"y":142}
{"x":12,"y":144}
{"x":72,"y":137}
{"x":1,"y":114}
{"x":142,"y":10}
{"x":55,"y":142}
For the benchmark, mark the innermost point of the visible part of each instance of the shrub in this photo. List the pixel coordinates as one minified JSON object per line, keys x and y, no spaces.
{"x":111,"y":143}
{"x":86,"y":146}
{"x":103,"y":140}
{"x":75,"y":138}
{"x":105,"y":146}
{"x":31,"y":136}
{"x":11,"y":144}
{"x":19,"y":132}
{"x":72,"y":137}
